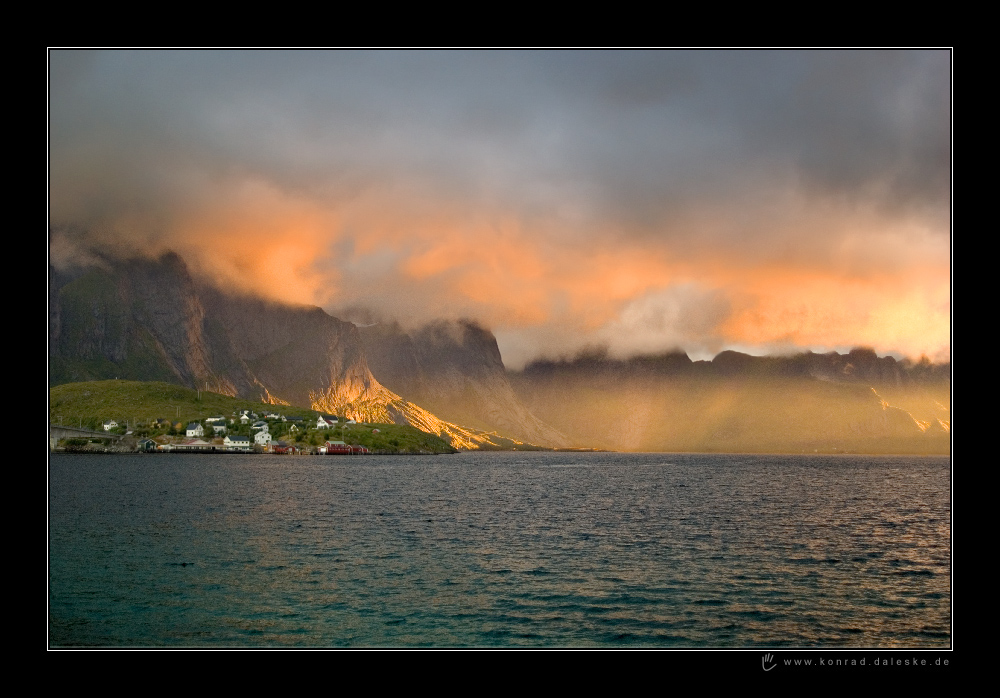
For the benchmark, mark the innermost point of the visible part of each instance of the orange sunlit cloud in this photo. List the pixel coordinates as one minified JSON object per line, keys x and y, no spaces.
{"x":252,"y":237}
{"x":901,"y":314}
{"x":621,"y":295}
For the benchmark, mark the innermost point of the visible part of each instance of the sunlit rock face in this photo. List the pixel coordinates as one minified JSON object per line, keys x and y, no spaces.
{"x":292,"y":355}
{"x":455,"y":370}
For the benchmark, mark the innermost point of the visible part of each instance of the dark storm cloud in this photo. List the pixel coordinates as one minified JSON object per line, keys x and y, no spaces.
{"x":694,"y":129}
{"x":639,"y":134}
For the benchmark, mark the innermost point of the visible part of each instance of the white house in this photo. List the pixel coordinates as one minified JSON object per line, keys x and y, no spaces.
{"x":262,"y":438}
{"x":195,"y":429}
{"x":237,"y":443}
{"x":110,"y":424}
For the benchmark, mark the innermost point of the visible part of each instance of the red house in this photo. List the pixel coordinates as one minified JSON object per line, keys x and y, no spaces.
{"x":339,"y":448}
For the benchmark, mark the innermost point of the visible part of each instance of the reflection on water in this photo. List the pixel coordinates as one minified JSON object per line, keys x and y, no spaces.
{"x":538,"y":549}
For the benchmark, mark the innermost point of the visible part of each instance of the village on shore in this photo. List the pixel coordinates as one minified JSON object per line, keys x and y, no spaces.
{"x":245,"y":431}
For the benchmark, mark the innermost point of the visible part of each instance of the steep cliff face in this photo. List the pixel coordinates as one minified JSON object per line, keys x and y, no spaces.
{"x":455,"y":370}
{"x":146,"y":319}
{"x":137,"y":319}
{"x":285,"y":355}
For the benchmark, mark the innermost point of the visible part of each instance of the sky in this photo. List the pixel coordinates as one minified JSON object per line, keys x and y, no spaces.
{"x":642,"y":201}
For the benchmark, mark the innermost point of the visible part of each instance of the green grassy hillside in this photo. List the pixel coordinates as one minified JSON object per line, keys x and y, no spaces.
{"x":93,"y":402}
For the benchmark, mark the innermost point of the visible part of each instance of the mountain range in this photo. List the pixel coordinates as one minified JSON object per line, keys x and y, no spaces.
{"x":853,"y":402}
{"x":150,"y":319}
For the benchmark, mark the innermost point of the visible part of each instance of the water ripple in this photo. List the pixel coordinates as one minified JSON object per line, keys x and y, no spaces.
{"x":542,"y":549}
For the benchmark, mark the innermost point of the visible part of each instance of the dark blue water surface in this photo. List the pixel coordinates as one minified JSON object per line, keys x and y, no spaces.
{"x":500,"y":549}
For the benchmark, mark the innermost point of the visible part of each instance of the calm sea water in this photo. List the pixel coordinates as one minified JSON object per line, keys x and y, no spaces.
{"x":503,"y":549}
